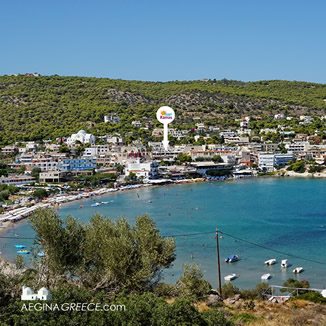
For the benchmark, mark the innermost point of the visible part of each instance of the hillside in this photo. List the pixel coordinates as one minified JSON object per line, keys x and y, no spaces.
{"x":41,"y":107}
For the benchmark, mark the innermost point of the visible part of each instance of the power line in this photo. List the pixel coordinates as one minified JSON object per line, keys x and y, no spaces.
{"x":271,"y":249}
{"x":249,"y":242}
{"x":16,"y":238}
{"x":210,"y":232}
{"x":186,"y":234}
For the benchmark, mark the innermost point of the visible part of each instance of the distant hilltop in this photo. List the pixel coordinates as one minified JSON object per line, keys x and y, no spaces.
{"x":53,"y":106}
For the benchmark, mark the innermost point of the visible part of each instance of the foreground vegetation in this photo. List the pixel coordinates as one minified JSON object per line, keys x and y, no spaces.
{"x":113,"y":262}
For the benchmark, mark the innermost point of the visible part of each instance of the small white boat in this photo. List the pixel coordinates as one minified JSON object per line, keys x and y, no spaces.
{"x":230,"y":277}
{"x":96,"y":204}
{"x":266,"y":277}
{"x":298,"y":270}
{"x":23,"y":252}
{"x":285,"y":263}
{"x":104,"y":202}
{"x":270,"y":262}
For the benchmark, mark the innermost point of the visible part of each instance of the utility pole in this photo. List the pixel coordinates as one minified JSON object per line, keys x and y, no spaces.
{"x":218,"y":264}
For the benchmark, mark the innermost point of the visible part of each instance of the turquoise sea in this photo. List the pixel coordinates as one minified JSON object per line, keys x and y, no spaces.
{"x":286,"y":215}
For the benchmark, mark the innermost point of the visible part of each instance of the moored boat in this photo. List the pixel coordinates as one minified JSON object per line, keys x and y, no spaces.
{"x":298,"y":270}
{"x":19,"y":246}
{"x":96,"y":204}
{"x":230,"y":277}
{"x":285,"y":263}
{"x":23,"y":252}
{"x":270,"y":262}
{"x":232,"y":259}
{"x":266,"y":276}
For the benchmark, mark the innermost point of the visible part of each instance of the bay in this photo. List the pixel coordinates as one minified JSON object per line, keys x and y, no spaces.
{"x":259,"y":216}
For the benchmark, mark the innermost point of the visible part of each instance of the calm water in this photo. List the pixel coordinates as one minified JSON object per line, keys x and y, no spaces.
{"x":287,"y":215}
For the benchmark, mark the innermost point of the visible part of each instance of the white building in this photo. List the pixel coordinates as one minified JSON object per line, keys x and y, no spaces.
{"x":112,"y":118}
{"x":178,"y":133}
{"x":268,"y":130}
{"x":243,"y":140}
{"x":268,"y":162}
{"x":43,"y":163}
{"x":50,"y":176}
{"x":305,"y":119}
{"x":16,"y":180}
{"x":97,"y":151}
{"x":213,"y":128}
{"x":228,"y":134}
{"x":28,"y":294}
{"x":157,"y":132}
{"x":279,"y":116}
{"x":244,"y":131}
{"x":82,"y":137}
{"x":10,"y":149}
{"x":136,"y":123}
{"x":244,"y":124}
{"x":116,"y":140}
{"x":200,"y":126}
{"x":148,"y":170}
{"x":297,"y":148}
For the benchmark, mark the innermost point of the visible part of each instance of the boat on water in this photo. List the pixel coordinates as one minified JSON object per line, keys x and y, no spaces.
{"x":230,"y":277}
{"x":104,"y":202}
{"x":96,"y":204}
{"x":285,"y":263}
{"x":23,"y":252}
{"x":298,"y":270}
{"x":266,"y":277}
{"x":270,"y":262}
{"x":232,"y":259}
{"x":19,"y":246}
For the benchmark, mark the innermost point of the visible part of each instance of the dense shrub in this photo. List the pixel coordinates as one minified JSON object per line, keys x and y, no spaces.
{"x":229,"y":290}
{"x":192,"y":283}
{"x":313,"y":297}
{"x":298,"y":166}
{"x":260,"y":292}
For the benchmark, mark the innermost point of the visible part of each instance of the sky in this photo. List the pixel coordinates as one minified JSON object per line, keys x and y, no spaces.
{"x":160,"y":40}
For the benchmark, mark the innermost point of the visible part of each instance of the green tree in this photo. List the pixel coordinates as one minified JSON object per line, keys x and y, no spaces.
{"x":19,"y":262}
{"x":36,"y":173}
{"x":181,"y":312}
{"x":183,"y":158}
{"x":104,"y":254}
{"x":192,"y":283}
{"x":132,"y":177}
{"x":215,"y":318}
{"x":298,"y":166}
{"x":40,"y":193}
{"x":119,"y":168}
{"x":217,"y":159}
{"x":292,"y":283}
{"x":64,"y":149}
{"x":314,"y":168}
